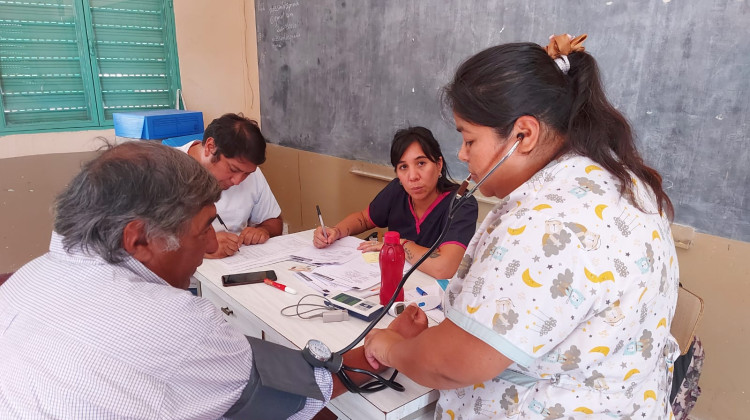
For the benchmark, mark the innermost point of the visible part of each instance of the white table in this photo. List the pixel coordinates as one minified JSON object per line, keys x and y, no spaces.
{"x":255,"y":310}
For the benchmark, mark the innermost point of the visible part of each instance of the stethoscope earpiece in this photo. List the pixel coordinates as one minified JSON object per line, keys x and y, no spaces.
{"x":471,"y":192}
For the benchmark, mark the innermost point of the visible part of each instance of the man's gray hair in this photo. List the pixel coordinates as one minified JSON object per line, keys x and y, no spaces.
{"x":138,"y":180}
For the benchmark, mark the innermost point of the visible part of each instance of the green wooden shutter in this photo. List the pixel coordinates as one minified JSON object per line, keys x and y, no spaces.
{"x":67,"y":64}
{"x":45,"y":75}
{"x":135,"y":55}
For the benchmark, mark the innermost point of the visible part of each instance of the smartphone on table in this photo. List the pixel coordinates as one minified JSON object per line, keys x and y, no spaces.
{"x":247,"y":278}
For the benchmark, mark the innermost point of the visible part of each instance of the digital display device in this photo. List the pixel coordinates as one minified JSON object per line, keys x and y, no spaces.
{"x":247,"y":278}
{"x":357,"y":307}
{"x":347,"y":299}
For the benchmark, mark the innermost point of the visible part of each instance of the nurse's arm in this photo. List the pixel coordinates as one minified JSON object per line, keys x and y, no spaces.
{"x":441,"y":264}
{"x":441,"y":357}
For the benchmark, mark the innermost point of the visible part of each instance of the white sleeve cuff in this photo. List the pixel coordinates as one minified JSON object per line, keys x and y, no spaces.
{"x":313,"y":406}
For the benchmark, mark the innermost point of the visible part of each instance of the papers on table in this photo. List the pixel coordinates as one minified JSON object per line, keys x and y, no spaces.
{"x":359,"y":276}
{"x":338,"y":252}
{"x":314,"y":282}
{"x":290,"y":248}
{"x":356,"y":274}
{"x":340,"y":267}
{"x":276,"y":249}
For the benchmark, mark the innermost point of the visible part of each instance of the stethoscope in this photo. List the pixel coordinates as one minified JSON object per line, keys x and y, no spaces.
{"x":457,"y":200}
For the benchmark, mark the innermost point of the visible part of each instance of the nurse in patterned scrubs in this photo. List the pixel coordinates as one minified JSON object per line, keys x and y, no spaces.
{"x":563,"y":302}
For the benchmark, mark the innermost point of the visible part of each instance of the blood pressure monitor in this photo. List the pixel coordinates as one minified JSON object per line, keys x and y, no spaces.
{"x":317,"y":354}
{"x":356,"y":306}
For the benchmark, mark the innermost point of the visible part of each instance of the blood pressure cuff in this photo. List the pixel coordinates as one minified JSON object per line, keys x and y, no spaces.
{"x":280,"y":383}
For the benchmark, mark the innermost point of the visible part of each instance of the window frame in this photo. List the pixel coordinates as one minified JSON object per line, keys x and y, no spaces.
{"x":92,"y":82}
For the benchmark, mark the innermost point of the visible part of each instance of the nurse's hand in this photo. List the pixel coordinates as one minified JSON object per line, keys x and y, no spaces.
{"x":378,"y":344}
{"x":370,"y":246}
{"x":320,"y":241}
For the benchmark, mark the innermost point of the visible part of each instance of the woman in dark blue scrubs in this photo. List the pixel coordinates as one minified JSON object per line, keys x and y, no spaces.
{"x":415,"y":205}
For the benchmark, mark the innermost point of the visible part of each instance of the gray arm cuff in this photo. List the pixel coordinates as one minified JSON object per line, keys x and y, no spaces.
{"x":279,"y":385}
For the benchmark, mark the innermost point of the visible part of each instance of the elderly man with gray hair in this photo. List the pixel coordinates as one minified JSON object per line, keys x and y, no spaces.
{"x":102,"y":327}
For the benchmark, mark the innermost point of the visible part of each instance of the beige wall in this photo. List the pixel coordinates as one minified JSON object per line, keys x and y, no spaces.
{"x":218,"y":64}
{"x":16,"y":145}
{"x":28,"y":186}
{"x":218,"y":52}
{"x":718,"y":270}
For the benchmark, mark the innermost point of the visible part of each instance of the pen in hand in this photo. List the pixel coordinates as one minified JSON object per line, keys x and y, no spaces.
{"x":322,"y":225}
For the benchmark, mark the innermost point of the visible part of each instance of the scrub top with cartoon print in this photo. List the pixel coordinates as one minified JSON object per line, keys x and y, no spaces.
{"x":577,"y":287}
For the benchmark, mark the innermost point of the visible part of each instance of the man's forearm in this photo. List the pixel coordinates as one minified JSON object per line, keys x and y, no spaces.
{"x":273,"y":226}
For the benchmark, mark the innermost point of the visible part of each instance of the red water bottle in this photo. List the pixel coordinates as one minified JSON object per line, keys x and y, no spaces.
{"x":391,"y":267}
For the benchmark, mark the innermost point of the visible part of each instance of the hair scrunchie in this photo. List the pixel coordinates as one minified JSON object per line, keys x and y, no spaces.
{"x":560,"y":46}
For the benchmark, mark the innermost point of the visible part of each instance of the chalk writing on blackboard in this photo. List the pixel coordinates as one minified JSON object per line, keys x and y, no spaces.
{"x":285,"y":21}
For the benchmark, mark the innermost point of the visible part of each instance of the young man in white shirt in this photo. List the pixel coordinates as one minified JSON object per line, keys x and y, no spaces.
{"x":232,"y":148}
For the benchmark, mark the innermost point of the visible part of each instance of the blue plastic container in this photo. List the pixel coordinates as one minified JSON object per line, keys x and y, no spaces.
{"x":179,"y":141}
{"x":161,"y":124}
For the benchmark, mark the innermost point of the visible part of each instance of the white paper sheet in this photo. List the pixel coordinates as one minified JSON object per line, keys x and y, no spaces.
{"x":339,"y":252}
{"x":276,"y":249}
{"x":355,"y":274}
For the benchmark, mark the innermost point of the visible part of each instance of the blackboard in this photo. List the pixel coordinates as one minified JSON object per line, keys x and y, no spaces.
{"x":339,"y":77}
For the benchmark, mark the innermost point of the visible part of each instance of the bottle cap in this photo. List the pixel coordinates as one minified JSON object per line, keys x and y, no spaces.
{"x":392,"y":237}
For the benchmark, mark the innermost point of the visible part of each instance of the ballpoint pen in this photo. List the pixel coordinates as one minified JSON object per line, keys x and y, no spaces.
{"x":322,"y":225}
{"x":221,"y":221}
{"x":280,"y":286}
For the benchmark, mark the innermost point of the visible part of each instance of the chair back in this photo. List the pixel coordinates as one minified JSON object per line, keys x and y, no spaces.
{"x":686,"y":316}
